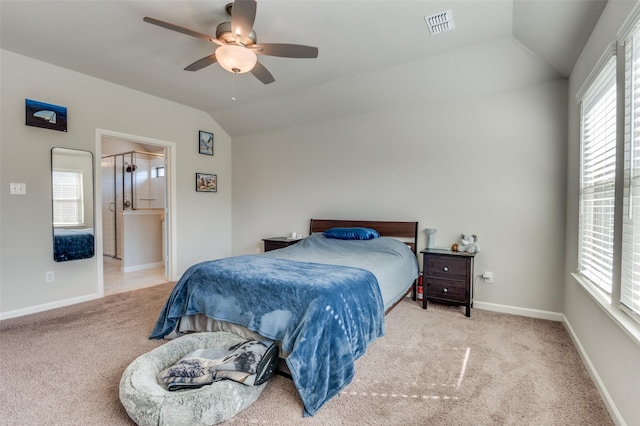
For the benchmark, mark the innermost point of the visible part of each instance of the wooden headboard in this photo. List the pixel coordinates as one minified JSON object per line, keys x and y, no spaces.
{"x":406,"y":231}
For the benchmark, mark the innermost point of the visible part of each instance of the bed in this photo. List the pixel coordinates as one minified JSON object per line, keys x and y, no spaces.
{"x":322,"y":299}
{"x":72,"y":244}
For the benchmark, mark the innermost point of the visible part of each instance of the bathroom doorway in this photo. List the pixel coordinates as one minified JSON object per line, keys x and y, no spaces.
{"x":135,"y":206}
{"x":132,"y":181}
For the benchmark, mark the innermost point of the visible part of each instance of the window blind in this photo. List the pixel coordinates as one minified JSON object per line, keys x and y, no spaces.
{"x":630,"y":273}
{"x":67,"y":198}
{"x":597,"y":177}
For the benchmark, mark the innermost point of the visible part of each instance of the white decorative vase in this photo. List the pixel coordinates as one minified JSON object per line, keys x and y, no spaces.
{"x":430,"y":237}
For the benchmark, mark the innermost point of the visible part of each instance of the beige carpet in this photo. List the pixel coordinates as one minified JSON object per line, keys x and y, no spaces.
{"x":433,"y":367}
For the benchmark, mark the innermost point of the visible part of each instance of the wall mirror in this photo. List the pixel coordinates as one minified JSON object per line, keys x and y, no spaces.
{"x":72,"y":204}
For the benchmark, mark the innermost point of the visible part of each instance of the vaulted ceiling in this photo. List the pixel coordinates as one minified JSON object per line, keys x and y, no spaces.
{"x":372,"y":54}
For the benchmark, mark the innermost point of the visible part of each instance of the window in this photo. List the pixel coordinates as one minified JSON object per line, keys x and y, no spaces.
{"x":67,"y":198}
{"x":609,"y":189}
{"x":630,"y":253}
{"x":157,"y":172}
{"x":597,"y":175}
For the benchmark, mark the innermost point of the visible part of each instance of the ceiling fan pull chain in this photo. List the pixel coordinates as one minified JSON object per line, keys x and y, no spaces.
{"x":233,"y":92}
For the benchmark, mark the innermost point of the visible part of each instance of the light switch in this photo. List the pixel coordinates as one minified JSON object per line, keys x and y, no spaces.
{"x":18,"y":188}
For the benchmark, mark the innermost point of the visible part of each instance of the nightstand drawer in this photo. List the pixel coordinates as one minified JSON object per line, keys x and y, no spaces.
{"x":446,"y":267}
{"x":446,"y":290}
{"x":276,"y":243}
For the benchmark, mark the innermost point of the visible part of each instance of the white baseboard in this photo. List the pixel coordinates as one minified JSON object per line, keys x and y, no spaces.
{"x":525,"y":312}
{"x":47,"y":306}
{"x":142,"y":267}
{"x":602,"y":390}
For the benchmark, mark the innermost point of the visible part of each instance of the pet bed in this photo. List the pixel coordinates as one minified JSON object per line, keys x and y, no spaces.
{"x":148,"y":402}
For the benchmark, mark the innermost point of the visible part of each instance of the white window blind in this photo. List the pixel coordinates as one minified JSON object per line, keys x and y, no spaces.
{"x":630,"y":273}
{"x":67,"y":198}
{"x":597,"y":177}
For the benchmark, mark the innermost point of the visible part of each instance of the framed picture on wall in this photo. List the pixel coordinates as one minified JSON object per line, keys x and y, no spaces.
{"x":206,"y":182}
{"x":205,"y":142}
{"x":48,"y":116}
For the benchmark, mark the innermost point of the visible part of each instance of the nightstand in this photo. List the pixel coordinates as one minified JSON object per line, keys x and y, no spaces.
{"x":278,"y":242}
{"x":448,"y":277}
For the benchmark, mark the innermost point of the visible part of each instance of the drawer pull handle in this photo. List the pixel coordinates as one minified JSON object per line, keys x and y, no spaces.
{"x":446,"y":268}
{"x":445,"y":290}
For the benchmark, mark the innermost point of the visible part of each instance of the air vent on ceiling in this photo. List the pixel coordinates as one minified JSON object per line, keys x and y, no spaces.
{"x":440,"y":22}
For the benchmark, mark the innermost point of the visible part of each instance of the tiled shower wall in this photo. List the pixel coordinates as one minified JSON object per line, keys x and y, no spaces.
{"x":149,"y":188}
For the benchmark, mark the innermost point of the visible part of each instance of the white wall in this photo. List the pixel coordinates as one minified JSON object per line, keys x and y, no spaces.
{"x":203,"y":219}
{"x":492,"y":165}
{"x":612,"y":355}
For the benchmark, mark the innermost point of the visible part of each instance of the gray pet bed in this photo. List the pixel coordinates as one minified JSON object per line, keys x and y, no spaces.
{"x":148,"y":403}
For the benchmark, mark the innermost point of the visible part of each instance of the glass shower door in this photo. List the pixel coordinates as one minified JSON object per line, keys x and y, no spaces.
{"x":108,"y":200}
{"x":112,"y":204}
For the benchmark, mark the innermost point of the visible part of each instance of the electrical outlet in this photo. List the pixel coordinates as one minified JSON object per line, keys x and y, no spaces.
{"x":49,"y":277}
{"x":17,"y":188}
{"x":488,"y":277}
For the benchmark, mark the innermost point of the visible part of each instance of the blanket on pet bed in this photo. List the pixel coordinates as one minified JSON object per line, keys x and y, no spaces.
{"x":251,"y":363}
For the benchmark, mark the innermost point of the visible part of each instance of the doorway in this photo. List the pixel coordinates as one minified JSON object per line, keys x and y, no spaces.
{"x":132,"y":181}
{"x":135,"y":190}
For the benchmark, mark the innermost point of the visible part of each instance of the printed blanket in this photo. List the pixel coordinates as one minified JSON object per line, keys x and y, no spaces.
{"x":251,"y":363}
{"x":324,"y":315}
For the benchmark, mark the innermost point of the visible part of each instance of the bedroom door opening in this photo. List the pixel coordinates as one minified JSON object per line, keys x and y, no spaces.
{"x":136,"y":212}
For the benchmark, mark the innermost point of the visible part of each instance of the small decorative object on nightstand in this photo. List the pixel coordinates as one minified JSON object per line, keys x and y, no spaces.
{"x":279,"y":242}
{"x":430,"y":237}
{"x":448,"y":277}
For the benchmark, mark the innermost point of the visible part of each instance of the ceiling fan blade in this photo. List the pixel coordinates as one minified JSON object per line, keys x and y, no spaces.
{"x":243,"y":15}
{"x":182,"y":30}
{"x":204,"y":62}
{"x":262,"y":74}
{"x":285,"y":50}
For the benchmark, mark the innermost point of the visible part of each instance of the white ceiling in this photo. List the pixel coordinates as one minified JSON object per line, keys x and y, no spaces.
{"x":362,"y":45}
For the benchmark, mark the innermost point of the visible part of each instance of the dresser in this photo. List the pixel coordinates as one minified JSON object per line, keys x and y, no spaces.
{"x":448,"y":277}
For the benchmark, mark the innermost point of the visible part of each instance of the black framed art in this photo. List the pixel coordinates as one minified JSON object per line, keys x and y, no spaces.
{"x":205,"y":142}
{"x":206,"y":182}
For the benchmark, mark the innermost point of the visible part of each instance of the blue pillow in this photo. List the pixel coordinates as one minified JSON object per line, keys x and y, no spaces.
{"x":351,"y":233}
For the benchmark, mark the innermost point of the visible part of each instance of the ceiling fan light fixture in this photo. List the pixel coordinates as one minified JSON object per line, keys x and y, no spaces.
{"x":236,"y":59}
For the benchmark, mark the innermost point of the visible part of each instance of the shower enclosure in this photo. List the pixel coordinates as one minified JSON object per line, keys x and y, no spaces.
{"x":130,"y":181}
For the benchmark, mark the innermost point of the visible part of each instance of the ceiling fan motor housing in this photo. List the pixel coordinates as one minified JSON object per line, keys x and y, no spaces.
{"x":224,"y":33}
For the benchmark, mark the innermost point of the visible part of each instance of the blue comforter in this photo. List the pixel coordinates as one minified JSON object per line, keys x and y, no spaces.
{"x":324,"y":315}
{"x":391,"y":261}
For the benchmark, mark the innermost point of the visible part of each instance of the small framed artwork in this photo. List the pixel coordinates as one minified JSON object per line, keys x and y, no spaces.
{"x":48,"y":116}
{"x":206,"y":143}
{"x":206,"y":182}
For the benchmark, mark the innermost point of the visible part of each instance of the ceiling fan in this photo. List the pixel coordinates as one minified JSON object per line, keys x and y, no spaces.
{"x":237,"y":45}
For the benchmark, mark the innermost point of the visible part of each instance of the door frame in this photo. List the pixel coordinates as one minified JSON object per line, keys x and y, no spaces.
{"x":171,"y":260}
